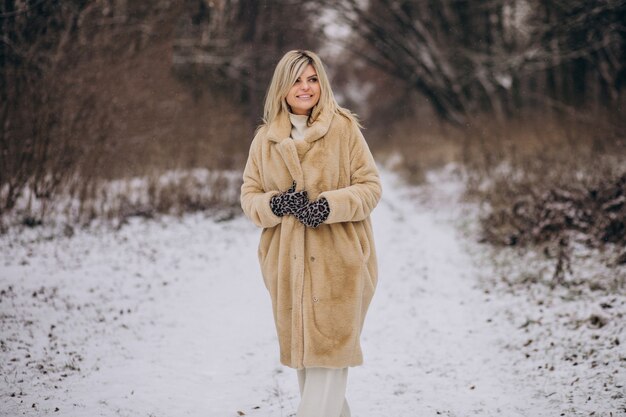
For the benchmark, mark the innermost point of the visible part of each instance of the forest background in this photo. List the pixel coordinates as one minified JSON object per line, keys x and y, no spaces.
{"x":111,"y":109}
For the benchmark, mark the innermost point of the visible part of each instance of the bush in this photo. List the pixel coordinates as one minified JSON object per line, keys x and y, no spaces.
{"x":551,"y":184}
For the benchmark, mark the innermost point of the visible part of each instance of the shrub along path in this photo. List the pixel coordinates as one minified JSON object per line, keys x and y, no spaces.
{"x":170,"y":318}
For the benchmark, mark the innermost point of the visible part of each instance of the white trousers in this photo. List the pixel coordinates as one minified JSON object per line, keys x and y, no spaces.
{"x":323,"y":392}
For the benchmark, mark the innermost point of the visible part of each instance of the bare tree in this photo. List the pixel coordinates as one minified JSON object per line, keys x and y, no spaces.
{"x":232,"y":46}
{"x":468,"y":57}
{"x":53,"y":121}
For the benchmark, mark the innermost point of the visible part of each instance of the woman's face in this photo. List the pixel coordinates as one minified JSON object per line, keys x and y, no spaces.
{"x":305,"y":93}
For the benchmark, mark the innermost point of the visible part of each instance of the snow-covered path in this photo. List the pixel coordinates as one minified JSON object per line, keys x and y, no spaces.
{"x":433,"y":348}
{"x":171,"y":318}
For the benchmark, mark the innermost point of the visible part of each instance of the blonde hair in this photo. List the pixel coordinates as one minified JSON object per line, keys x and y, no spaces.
{"x":287,"y":71}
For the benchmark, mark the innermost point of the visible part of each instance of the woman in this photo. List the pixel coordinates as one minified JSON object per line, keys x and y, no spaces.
{"x":310,"y":182}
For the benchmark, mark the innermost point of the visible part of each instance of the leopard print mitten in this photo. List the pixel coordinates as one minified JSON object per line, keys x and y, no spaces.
{"x":288,"y":202}
{"x":314,"y":213}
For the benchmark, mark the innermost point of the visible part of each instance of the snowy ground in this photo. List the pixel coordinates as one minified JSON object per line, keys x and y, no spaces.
{"x":171,"y":318}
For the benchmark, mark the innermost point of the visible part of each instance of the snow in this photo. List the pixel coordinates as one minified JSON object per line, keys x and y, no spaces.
{"x":170,"y":317}
{"x":568,"y":339}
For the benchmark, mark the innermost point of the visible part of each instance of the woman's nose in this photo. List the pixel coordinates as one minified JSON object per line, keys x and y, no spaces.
{"x":305,"y":85}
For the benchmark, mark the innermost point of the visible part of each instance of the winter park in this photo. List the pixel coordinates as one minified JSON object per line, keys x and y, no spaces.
{"x":381,"y":208}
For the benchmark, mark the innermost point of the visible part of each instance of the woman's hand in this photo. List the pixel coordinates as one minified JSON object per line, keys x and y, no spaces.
{"x":296,"y":203}
{"x":289,"y":202}
{"x":314,"y":213}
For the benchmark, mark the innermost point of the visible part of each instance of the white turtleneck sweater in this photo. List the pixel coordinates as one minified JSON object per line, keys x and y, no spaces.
{"x":298,"y":126}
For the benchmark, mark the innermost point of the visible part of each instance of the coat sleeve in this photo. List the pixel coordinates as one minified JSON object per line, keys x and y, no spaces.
{"x":356,"y":202}
{"x":255,"y":201}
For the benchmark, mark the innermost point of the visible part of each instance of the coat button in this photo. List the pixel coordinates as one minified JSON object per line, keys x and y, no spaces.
{"x":315,"y":299}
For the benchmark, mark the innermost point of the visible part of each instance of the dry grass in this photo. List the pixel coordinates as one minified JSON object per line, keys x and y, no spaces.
{"x":114,"y":202}
{"x":555,"y":185}
{"x":542,"y":149}
{"x":414,"y":148}
{"x":544,"y":182}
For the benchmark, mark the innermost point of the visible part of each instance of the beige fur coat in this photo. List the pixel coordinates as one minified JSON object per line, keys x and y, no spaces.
{"x":320,"y":280}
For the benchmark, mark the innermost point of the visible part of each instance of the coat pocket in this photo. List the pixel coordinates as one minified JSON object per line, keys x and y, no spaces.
{"x":268,"y":256}
{"x":336,"y":273}
{"x":363,"y":239}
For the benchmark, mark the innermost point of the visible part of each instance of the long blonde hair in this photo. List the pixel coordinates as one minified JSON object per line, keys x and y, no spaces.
{"x":287,"y":71}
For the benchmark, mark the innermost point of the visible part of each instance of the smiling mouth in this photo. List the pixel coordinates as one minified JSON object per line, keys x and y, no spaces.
{"x":304,"y":96}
